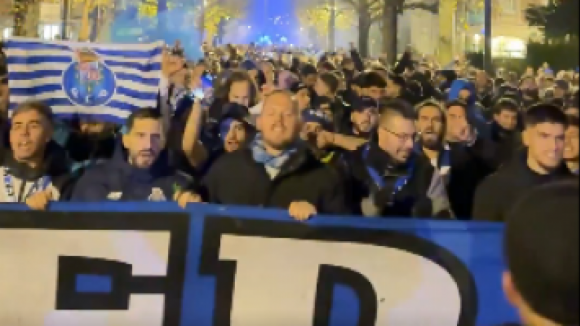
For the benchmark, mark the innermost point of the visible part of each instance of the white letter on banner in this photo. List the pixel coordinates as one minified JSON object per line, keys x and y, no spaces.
{"x":29,"y":272}
{"x":276,"y":281}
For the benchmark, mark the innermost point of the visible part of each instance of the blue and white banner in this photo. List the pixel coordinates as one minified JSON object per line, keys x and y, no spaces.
{"x":106,"y":81}
{"x":151,"y":264}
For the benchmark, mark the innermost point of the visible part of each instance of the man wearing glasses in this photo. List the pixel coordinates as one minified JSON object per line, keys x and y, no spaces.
{"x":382,"y":170}
{"x":401,"y":174}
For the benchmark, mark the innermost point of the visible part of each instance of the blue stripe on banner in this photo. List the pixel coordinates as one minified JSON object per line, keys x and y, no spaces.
{"x":136,"y":94}
{"x":35,"y":90}
{"x":29,"y":75}
{"x":35,"y":45}
{"x":123,"y":106}
{"x":63,"y":101}
{"x":147,"y":67}
{"x":19,"y":60}
{"x":137,"y":79}
{"x":113,"y":104}
{"x":139,"y":54}
{"x":463,"y":258}
{"x":86,"y":283}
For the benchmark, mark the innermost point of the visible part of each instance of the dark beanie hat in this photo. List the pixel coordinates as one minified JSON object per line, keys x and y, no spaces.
{"x":317,"y":116}
{"x":541,"y":249}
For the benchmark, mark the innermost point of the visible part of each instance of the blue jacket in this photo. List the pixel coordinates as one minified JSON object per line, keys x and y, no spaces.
{"x":474,"y":115}
{"x":120,"y":181}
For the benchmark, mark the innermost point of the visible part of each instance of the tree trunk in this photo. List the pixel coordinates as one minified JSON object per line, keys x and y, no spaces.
{"x":19,"y":17}
{"x":26,"y":18}
{"x":85,"y":29}
{"x":95,"y":23}
{"x":332,"y":26}
{"x":32,"y":19}
{"x":389,"y":32}
{"x":445,"y":48}
{"x":364,"y":30}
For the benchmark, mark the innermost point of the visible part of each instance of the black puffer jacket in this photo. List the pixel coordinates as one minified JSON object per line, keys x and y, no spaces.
{"x":236,"y":179}
{"x":496,"y":195}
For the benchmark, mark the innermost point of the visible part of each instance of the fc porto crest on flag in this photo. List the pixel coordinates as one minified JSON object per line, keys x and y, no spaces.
{"x":105,"y":82}
{"x":88,"y":81}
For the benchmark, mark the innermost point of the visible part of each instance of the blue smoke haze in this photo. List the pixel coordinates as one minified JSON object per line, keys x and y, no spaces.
{"x":275,"y":19}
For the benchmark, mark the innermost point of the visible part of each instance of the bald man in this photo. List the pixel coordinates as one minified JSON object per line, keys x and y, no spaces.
{"x":277,"y":170}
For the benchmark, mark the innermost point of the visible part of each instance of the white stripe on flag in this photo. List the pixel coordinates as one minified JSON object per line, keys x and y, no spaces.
{"x":136,"y":68}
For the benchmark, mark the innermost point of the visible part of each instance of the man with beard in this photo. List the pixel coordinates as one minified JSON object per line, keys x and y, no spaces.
{"x":363,"y":121}
{"x":234,"y":133}
{"x":276,"y":170}
{"x":541,"y":163}
{"x":504,"y":129}
{"x":382,"y":181}
{"x":448,"y":172}
{"x":315,"y":122}
{"x":140,"y":172}
{"x":363,"y":117}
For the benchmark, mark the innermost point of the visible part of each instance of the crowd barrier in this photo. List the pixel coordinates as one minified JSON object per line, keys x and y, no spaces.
{"x":152,"y":264}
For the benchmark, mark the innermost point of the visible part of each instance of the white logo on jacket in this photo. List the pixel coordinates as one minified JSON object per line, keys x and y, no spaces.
{"x":157,"y":195}
{"x":114,"y":195}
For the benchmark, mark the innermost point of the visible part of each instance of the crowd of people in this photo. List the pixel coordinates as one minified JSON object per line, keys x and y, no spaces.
{"x":338,"y":134}
{"x":342,"y":135}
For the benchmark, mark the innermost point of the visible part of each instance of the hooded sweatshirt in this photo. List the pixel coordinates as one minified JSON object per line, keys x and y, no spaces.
{"x":118,"y":180}
{"x":474,"y":114}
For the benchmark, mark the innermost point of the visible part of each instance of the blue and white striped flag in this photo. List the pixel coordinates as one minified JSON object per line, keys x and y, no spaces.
{"x":105,"y":81}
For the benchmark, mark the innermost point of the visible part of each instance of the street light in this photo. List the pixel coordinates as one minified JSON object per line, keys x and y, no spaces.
{"x":249,"y":27}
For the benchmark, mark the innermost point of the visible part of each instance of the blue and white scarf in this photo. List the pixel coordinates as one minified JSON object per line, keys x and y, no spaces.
{"x":263,"y":157}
